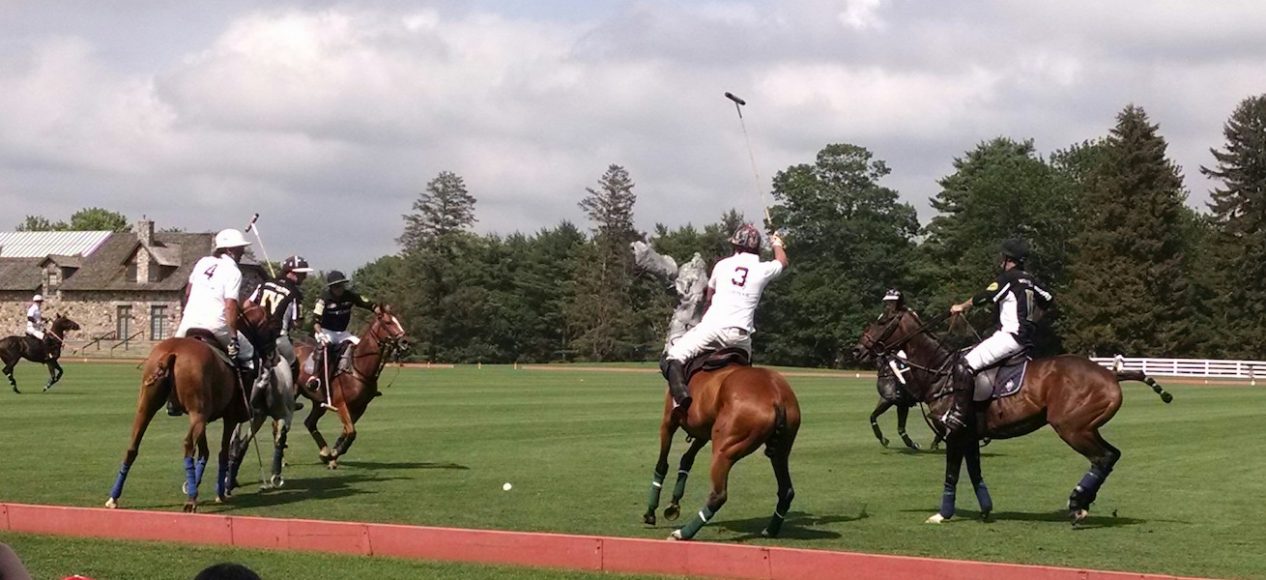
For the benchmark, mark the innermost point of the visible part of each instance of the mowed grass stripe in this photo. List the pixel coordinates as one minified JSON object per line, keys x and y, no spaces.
{"x":579,"y":448}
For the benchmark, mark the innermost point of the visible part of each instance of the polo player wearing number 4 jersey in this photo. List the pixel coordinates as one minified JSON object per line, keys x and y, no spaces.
{"x":734,"y":291}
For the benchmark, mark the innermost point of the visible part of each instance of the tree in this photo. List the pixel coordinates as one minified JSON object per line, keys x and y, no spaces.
{"x":601,"y":314}
{"x":91,"y":219}
{"x":849,"y":239}
{"x":1131,"y":290}
{"x":1001,"y":189}
{"x":1238,"y":238}
{"x":445,"y":208}
{"x":39,"y":223}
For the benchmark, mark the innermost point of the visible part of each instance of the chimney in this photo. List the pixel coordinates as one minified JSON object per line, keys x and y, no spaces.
{"x":145,"y":231}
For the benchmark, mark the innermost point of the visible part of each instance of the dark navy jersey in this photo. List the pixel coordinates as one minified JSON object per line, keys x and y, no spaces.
{"x":1020,"y":302}
{"x":336,"y":313}
{"x":282,"y":299}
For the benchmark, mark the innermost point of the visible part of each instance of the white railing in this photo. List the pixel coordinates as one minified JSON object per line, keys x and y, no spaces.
{"x":1187,"y":367}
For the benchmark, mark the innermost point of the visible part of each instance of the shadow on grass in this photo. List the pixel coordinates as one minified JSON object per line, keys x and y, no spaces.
{"x":320,"y":487}
{"x":403,"y":465}
{"x":798,"y":526}
{"x":1106,"y":520}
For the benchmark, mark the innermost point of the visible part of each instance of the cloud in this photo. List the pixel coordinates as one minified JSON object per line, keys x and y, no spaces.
{"x":329,"y":118}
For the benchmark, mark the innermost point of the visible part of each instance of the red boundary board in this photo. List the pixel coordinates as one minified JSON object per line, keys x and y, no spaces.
{"x":595,"y":553}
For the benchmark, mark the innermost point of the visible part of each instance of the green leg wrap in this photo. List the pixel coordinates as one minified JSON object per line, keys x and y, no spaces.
{"x":696,"y":523}
{"x":652,"y":498}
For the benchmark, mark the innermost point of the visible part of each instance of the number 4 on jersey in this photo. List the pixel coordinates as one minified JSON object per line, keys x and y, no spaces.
{"x":210,"y":272}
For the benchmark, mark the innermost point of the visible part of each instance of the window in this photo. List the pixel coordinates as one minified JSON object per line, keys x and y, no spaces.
{"x":158,"y":322}
{"x":123,"y":321}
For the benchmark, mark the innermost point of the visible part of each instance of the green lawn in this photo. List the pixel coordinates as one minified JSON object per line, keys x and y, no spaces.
{"x":579,"y":448}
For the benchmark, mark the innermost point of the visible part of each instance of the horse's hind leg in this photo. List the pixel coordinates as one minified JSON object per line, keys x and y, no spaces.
{"x":54,"y":374}
{"x":722,"y":462}
{"x":903,"y":414}
{"x":666,"y":430}
{"x":145,"y":410}
{"x":195,"y":442}
{"x":880,"y":409}
{"x":8,"y":372}
{"x":779,"y":458}
{"x":224,"y":464}
{"x":673,"y":511}
{"x":971,"y":453}
{"x":1103,"y":457}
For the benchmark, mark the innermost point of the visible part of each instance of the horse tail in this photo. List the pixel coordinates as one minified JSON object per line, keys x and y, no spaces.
{"x":775,"y":442}
{"x":1142,"y":377}
{"x":164,"y":373}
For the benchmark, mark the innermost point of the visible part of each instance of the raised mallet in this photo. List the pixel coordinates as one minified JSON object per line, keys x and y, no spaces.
{"x":739,"y":103}
{"x":254,"y":227}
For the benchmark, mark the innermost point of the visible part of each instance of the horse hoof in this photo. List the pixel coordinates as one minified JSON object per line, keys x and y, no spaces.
{"x":332,"y":465}
{"x":1079,"y":516}
{"x":676,"y":536}
{"x":191,"y":507}
{"x":884,"y":441}
{"x":672,"y":512}
{"x":984,"y":516}
{"x":112,"y":503}
{"x":765,"y":533}
{"x":649,"y":518}
{"x":221,"y":499}
{"x":277,"y":481}
{"x":935,"y":518}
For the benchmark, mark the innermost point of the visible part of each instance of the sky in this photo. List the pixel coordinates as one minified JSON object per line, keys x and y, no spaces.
{"x":329,"y":118}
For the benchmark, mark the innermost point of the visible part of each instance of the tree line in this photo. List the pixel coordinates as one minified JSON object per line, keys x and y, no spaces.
{"x":1135,"y":269}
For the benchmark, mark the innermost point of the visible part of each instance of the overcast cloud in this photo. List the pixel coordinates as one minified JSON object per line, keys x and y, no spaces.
{"x":329,"y":118}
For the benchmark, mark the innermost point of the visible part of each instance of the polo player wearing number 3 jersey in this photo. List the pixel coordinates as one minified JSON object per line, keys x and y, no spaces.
{"x":734,"y":290}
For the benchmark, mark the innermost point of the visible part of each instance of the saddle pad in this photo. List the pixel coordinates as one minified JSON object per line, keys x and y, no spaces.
{"x":710,"y":361}
{"x":1009,"y":380}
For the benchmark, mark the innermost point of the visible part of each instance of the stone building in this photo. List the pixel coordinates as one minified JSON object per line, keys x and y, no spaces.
{"x":124,"y":289}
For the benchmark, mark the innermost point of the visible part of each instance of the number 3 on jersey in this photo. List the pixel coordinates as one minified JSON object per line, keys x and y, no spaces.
{"x":740,"y":276}
{"x":210,"y":272}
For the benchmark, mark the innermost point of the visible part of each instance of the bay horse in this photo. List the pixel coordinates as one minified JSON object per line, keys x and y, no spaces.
{"x":738,"y":408}
{"x":892,"y":394}
{"x":349,"y":394}
{"x":16,"y":348}
{"x":205,"y":383}
{"x":1071,"y":393}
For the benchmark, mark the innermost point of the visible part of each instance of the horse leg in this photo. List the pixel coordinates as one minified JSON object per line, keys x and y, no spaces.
{"x":279,"y":449}
{"x":8,"y":372}
{"x":903,"y":413}
{"x":667,"y":428}
{"x":954,"y":451}
{"x":52,"y":374}
{"x":1103,"y":457}
{"x":195,"y":437}
{"x":880,"y":409}
{"x":673,"y":511}
{"x":314,"y":416}
{"x":237,"y":451}
{"x":225,"y":470}
{"x":779,"y":459}
{"x":722,"y":462}
{"x":148,"y":405}
{"x":971,"y":453}
{"x":345,"y":440}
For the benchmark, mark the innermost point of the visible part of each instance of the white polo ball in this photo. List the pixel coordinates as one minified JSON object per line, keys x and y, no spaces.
{"x":506,"y":486}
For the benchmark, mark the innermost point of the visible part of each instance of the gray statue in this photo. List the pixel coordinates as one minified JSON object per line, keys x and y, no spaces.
{"x":690,"y":280}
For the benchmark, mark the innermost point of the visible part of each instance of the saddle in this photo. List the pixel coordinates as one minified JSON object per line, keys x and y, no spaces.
{"x":1005,"y":378}
{"x":335,"y":354}
{"x":710,"y":361}
{"x":205,"y":336}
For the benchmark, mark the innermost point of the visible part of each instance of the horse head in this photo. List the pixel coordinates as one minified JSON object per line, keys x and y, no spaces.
{"x":391,"y":335}
{"x":886,"y":334}
{"x":62,"y":324}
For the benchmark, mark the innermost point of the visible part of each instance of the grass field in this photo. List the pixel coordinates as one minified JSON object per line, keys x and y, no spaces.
{"x":579,"y":447}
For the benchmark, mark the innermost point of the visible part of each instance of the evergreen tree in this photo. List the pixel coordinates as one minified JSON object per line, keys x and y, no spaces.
{"x":1131,"y":290}
{"x":601,"y":315}
{"x":444,"y":209}
{"x":1238,"y":243}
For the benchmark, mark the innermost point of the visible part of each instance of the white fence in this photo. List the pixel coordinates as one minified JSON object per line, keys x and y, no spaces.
{"x":1186,"y":367}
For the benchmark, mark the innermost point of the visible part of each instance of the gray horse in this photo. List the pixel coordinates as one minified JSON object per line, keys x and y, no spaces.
{"x":280,"y":397}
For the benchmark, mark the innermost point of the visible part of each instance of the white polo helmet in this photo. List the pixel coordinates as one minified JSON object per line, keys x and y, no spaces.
{"x":38,"y":298}
{"x":230,"y":238}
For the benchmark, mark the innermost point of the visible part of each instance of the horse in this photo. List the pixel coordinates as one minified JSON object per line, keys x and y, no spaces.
{"x":349,"y":394}
{"x":738,"y":408}
{"x":891,"y":394}
{"x":15,"y":348}
{"x":281,"y":409}
{"x":1071,"y":393}
{"x":205,"y":382}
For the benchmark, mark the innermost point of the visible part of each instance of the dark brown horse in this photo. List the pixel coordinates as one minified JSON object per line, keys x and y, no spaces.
{"x":15,"y":348}
{"x":738,"y":408}
{"x":350,"y":393}
{"x":203,"y":381}
{"x":893,"y":394}
{"x":1072,"y":394}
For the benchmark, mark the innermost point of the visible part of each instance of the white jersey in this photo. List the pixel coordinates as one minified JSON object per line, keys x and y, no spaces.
{"x":737,"y":283}
{"x":213,"y":282}
{"x":34,"y":316}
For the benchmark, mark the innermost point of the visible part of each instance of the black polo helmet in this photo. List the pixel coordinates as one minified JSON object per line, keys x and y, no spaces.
{"x":1016,"y":250}
{"x":335,"y":277}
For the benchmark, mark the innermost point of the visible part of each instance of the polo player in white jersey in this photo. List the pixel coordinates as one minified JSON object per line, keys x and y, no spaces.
{"x":734,"y":291}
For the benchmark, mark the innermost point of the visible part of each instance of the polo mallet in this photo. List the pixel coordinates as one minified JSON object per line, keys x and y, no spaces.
{"x":254,"y":227}
{"x":739,"y":103}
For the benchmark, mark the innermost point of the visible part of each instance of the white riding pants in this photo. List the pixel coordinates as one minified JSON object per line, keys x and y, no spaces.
{"x":701,"y":338}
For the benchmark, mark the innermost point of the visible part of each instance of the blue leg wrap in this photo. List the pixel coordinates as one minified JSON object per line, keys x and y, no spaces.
{"x":117,"y":490}
{"x":191,"y":479}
